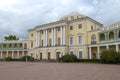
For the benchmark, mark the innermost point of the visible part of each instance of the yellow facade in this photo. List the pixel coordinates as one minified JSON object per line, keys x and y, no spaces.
{"x":73,"y":34}
{"x":81,"y":26}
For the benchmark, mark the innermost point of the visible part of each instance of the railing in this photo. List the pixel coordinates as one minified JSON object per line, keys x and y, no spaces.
{"x":108,"y":41}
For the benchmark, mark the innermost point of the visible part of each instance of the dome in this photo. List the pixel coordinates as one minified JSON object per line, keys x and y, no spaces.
{"x":71,"y":16}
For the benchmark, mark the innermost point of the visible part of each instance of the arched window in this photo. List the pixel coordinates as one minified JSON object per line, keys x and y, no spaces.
{"x":25,"y":46}
{"x":119,"y":34}
{"x":111,"y":35}
{"x":93,"y":39}
{"x":102,"y":37}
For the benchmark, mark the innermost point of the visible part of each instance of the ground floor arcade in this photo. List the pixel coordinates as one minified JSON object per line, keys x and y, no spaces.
{"x":94,"y":50}
{"x":15,"y":54}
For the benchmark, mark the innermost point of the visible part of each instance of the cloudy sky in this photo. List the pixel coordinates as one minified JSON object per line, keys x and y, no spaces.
{"x":17,"y":16}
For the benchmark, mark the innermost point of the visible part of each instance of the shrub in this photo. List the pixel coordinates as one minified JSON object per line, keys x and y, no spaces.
{"x":110,"y":56}
{"x":69,"y":58}
{"x":29,"y":58}
{"x":8,"y":59}
{"x":117,"y":57}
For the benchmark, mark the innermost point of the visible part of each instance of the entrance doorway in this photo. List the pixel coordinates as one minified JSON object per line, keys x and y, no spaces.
{"x":57,"y":55}
{"x":48,"y":55}
{"x":40,"y":55}
{"x":80,"y":54}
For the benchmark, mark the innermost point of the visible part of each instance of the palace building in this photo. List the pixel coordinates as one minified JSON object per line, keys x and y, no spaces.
{"x":73,"y":34}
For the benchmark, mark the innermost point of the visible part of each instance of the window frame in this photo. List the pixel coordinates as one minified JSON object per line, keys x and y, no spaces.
{"x":80,"y":42}
{"x":70,"y":40}
{"x":80,"y":26}
{"x":71,"y":27}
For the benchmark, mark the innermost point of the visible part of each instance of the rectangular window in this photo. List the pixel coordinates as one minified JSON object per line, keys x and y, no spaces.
{"x":49,"y":30}
{"x":80,"y":39}
{"x":71,"y":27}
{"x":31,"y":44}
{"x":58,"y":28}
{"x":50,"y":42}
{"x":71,"y":52}
{"x":42,"y":42}
{"x":42,"y":31}
{"x":58,"y":41}
{"x":80,"y":54}
{"x":31,"y":34}
{"x":79,"y":26}
{"x":71,"y":40}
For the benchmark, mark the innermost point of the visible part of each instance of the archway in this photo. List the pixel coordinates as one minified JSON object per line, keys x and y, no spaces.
{"x":111,"y":35}
{"x":102,"y":37}
{"x":48,"y":54}
{"x":58,"y":54}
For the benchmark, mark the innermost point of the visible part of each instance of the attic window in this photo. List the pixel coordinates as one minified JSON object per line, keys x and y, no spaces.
{"x":91,"y":27}
{"x":72,"y":17}
{"x":66,"y":18}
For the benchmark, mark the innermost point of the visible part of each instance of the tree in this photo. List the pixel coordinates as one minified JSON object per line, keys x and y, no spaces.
{"x":110,"y":56}
{"x":11,"y":38}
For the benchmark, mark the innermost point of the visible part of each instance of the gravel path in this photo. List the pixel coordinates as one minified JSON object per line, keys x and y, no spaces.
{"x":58,"y":71}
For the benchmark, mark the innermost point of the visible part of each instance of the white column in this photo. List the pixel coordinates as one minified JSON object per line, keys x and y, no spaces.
{"x":98,"y":49}
{"x":17,"y":54}
{"x":107,"y":46}
{"x":61,"y":35}
{"x":117,"y":48}
{"x":46,"y":38}
{"x":12,"y":54}
{"x":37,"y":38}
{"x":1,"y":54}
{"x":23,"y":53}
{"x":90,"y":57}
{"x":7,"y":54}
{"x":64,"y":35}
{"x":44,"y":41}
{"x":54,"y":36}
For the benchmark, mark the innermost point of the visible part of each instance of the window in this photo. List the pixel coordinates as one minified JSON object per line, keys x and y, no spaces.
{"x":119,"y":34}
{"x":32,"y":44}
{"x":93,"y":38}
{"x":42,"y":42}
{"x":25,"y":46}
{"x":42,"y":31}
{"x":31,"y":34}
{"x":77,"y":17}
{"x":58,"y":41}
{"x":71,"y":40}
{"x":80,"y":26}
{"x":15,"y":45}
{"x":80,"y":39}
{"x":58,"y":28}
{"x":49,"y":30}
{"x":10,"y":45}
{"x":80,"y":54}
{"x":66,"y":18}
{"x":4,"y":45}
{"x":72,"y":17}
{"x":91,"y":27}
{"x":20,"y":44}
{"x":50,"y":42}
{"x":71,"y":52}
{"x":71,"y":27}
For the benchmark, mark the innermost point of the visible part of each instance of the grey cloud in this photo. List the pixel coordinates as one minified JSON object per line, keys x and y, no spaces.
{"x":18,"y":18}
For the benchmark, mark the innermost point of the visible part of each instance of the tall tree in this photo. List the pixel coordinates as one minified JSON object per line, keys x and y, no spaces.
{"x":11,"y":38}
